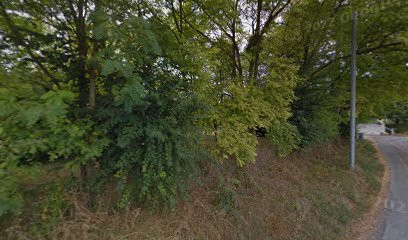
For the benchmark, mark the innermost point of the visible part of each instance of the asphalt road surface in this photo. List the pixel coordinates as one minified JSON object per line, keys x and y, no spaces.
{"x":393,"y":224}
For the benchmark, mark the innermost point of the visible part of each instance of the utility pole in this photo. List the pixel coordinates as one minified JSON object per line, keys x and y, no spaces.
{"x":353,"y":93}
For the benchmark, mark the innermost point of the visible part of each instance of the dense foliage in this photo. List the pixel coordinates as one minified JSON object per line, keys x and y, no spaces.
{"x":130,"y":92}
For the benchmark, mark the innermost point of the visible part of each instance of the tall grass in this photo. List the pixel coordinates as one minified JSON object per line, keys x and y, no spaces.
{"x":308,"y":195}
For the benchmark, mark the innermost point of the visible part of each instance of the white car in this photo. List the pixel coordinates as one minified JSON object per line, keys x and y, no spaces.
{"x":377,"y":128}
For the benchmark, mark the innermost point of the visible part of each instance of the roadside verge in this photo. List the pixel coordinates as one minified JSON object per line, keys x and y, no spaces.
{"x":365,"y":227}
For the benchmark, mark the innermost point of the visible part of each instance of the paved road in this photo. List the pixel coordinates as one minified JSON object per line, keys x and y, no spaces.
{"x":393,"y":224}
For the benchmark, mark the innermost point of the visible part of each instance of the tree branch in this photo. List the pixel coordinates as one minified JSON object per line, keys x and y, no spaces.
{"x":20,"y":41}
{"x":362,"y":52}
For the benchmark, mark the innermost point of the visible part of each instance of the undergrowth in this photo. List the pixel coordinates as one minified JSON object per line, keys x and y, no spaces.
{"x":309,"y":195}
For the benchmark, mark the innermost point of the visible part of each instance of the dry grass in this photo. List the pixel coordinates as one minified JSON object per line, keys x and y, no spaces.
{"x":309,"y":195}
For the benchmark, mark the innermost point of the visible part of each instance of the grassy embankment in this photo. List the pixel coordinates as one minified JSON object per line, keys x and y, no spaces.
{"x":309,"y":195}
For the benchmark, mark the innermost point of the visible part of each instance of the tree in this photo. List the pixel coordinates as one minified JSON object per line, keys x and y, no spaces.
{"x":246,"y":89}
{"x":316,"y":35}
{"x":141,"y":131}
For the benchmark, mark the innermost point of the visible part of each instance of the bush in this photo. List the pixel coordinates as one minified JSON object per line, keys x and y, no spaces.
{"x":11,"y":199}
{"x":285,"y":137}
{"x":315,"y":116}
{"x":35,"y":127}
{"x":149,"y":114}
{"x":153,"y":142}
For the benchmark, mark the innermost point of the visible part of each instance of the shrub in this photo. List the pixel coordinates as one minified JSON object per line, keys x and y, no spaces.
{"x":35,"y":127}
{"x":149,"y":114}
{"x":285,"y":137}
{"x":11,"y":199}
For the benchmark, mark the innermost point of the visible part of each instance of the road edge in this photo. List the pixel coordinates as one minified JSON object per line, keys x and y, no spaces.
{"x":365,"y":227}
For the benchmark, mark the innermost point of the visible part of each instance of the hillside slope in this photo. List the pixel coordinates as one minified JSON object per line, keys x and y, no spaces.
{"x":309,"y":195}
